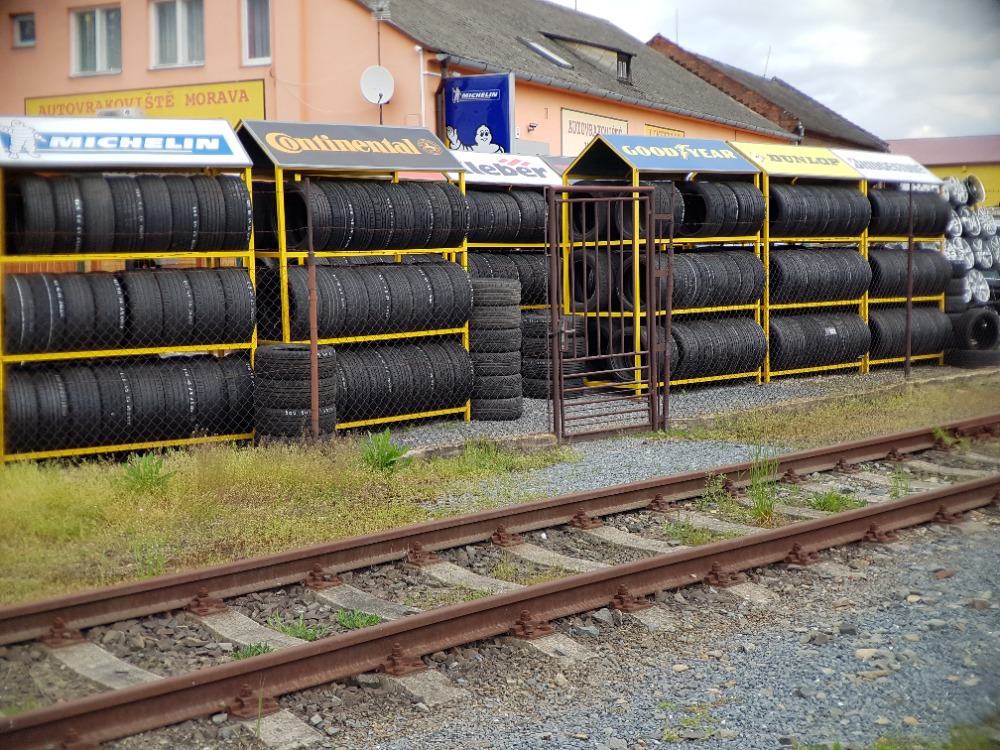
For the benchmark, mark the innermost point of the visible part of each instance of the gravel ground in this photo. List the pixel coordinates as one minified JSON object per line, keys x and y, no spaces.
{"x":886,"y":642}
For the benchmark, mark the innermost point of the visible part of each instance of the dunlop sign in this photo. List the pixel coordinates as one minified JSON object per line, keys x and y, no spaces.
{"x":796,"y":161}
{"x":651,"y":154}
{"x":306,"y":145}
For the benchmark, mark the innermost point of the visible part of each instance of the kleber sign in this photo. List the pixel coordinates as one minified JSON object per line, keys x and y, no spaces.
{"x":39,"y":142}
{"x":875,"y":166}
{"x":797,"y":161}
{"x":302,"y":145}
{"x":507,"y":169}
{"x":650,"y":154}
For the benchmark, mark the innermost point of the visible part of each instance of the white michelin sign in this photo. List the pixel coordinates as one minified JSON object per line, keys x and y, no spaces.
{"x":37,"y":142}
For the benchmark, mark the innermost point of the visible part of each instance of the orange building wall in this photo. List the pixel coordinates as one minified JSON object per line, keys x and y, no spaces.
{"x":319,"y":50}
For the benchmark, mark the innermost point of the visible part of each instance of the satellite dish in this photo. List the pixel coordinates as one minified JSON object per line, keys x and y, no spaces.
{"x":377,"y":84}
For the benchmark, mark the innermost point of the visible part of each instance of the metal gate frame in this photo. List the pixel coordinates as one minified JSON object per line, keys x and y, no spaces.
{"x":631,"y":393}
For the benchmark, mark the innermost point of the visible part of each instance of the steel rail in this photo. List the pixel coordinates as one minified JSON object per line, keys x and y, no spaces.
{"x":126,"y":712}
{"x":101,"y":606}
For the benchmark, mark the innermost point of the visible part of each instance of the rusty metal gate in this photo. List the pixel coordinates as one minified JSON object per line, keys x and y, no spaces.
{"x":609,"y":358}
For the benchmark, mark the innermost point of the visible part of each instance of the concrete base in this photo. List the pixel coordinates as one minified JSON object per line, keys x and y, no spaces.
{"x":101,"y":667}
{"x":242,"y":631}
{"x":350,"y":598}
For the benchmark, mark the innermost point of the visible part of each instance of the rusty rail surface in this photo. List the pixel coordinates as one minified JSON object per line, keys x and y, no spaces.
{"x":102,"y":606}
{"x":141,"y":708}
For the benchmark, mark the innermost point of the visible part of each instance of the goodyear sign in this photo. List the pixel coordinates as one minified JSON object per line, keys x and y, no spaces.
{"x":306,"y":145}
{"x":797,"y":161}
{"x":651,"y":154}
{"x":233,"y":101}
{"x":875,"y":166}
{"x":39,"y":142}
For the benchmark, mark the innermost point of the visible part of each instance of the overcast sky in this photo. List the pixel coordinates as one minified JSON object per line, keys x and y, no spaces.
{"x":897,"y":68}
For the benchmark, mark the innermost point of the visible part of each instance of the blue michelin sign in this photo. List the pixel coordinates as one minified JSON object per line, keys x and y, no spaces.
{"x":656,"y":154}
{"x":479,"y":113}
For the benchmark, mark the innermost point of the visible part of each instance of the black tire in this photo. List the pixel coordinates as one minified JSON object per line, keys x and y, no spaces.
{"x":293,"y":423}
{"x":178,"y":307}
{"x":157,"y":213}
{"x":496,"y":386}
{"x":292,"y":361}
{"x":69,"y":218}
{"x":978,"y":328}
{"x":496,"y":363}
{"x":20,"y":416}
{"x":238,"y":212}
{"x":144,"y":308}
{"x":972,"y":358}
{"x":293,"y":394}
{"x":31,"y":216}
{"x":18,"y":315}
{"x":209,"y":324}
{"x":212,"y":221}
{"x":297,"y":209}
{"x":496,"y":292}
{"x":495,"y":341}
{"x":129,"y":213}
{"x":497,"y":409}
{"x":98,"y":214}
{"x":185,"y":213}
{"x":117,"y":403}
{"x":78,"y":312}
{"x":241,"y":304}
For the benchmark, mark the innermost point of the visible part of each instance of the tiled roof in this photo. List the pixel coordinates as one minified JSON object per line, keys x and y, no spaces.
{"x":969,"y":149}
{"x":778,"y":100}
{"x":493,"y":35}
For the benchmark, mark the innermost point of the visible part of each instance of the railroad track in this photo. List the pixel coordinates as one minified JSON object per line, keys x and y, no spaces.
{"x":615,"y":565}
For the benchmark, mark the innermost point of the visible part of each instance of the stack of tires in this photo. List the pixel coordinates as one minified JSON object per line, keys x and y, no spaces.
{"x":972,"y":246}
{"x":362,"y":215}
{"x":495,"y":349}
{"x":530,"y":269}
{"x":126,"y":401}
{"x":151,"y":213}
{"x":976,"y":338}
{"x":507,"y":216}
{"x":537,"y":376}
{"x":283,"y":390}
{"x":376,"y":381}
{"x":817,"y":211}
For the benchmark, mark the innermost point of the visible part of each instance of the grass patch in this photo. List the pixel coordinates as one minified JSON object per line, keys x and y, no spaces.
{"x":832,"y":501}
{"x":526,"y":573}
{"x":435,"y":599}
{"x":254,"y":649}
{"x":856,"y":415}
{"x":692,"y":536}
{"x":763,"y":488}
{"x":73,"y":525}
{"x":381,"y":454}
{"x":298,"y":628}
{"x":355,"y":619}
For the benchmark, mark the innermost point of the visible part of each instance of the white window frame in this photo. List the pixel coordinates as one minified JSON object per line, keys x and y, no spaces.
{"x":19,"y":40}
{"x":247,"y":59}
{"x":183,"y":24}
{"x":102,"y":67}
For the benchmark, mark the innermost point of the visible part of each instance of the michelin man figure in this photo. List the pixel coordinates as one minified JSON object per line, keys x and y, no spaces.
{"x":22,"y":139}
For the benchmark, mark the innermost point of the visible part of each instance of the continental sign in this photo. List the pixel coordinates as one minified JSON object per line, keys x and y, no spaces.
{"x":794,"y":161}
{"x":302,"y":145}
{"x":39,"y":142}
{"x":875,"y":166}
{"x":233,"y":101}
{"x":650,"y":154}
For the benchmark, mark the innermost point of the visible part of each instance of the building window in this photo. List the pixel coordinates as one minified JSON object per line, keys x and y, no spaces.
{"x":97,"y":41}
{"x":178,"y":33}
{"x":256,"y":32}
{"x":624,"y":67}
{"x":24,"y":29}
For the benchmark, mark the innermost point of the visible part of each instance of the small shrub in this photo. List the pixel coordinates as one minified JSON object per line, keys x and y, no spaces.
{"x":763,"y":489}
{"x":254,"y":649}
{"x":714,"y":495}
{"x":833,"y":502}
{"x":381,"y":454}
{"x":150,"y":559}
{"x":144,"y":472}
{"x":355,"y":619}
{"x":298,"y":628}
{"x":900,"y":483}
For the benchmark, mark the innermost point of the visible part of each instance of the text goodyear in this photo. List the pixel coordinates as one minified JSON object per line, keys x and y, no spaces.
{"x":653,"y":154}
